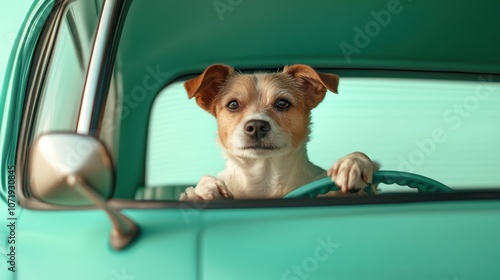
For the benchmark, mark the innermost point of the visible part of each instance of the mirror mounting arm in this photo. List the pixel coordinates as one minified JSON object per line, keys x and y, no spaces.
{"x":124,"y":230}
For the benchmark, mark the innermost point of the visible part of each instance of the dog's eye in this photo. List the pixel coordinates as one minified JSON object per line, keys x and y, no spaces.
{"x":233,"y":105}
{"x":282,"y":104}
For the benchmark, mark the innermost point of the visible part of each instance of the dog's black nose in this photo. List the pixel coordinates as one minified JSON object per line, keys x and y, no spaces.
{"x":257,"y":128}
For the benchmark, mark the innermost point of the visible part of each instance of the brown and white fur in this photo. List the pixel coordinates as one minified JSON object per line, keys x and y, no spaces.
{"x":263,"y":127}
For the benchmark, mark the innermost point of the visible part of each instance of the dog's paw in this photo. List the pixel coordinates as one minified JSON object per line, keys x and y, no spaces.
{"x":352,"y":172}
{"x":209,"y":188}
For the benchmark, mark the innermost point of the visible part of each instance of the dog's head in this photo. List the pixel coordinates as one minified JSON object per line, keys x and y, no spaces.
{"x":263,"y":114}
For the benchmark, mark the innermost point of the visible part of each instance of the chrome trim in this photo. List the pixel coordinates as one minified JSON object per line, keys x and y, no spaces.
{"x":388,"y":199}
{"x":97,"y":81}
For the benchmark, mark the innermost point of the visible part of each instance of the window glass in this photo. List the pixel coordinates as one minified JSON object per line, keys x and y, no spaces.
{"x":182,"y":142}
{"x":61,"y":94}
{"x":447,"y":130}
{"x":63,"y":88}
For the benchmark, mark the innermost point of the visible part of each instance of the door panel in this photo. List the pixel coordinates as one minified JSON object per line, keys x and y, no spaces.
{"x":75,"y":245}
{"x":413,"y":241}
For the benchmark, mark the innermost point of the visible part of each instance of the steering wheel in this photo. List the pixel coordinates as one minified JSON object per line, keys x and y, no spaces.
{"x":421,"y":183}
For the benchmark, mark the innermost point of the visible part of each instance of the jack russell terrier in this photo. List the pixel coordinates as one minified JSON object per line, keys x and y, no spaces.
{"x":263,"y":127}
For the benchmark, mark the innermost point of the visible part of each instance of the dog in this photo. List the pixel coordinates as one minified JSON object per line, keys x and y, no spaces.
{"x":263,"y":128}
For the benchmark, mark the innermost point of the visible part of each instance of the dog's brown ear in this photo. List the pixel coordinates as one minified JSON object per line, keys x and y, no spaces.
{"x":206,"y":86}
{"x":314,"y":84}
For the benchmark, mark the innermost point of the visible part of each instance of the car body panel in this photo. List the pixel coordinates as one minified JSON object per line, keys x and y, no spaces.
{"x":11,"y":103}
{"x":345,"y":242}
{"x":15,"y":81}
{"x":12,"y":19}
{"x":76,"y":245}
{"x":360,"y":242}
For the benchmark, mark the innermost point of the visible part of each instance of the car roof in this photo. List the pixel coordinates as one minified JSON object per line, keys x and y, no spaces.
{"x":383,"y":34}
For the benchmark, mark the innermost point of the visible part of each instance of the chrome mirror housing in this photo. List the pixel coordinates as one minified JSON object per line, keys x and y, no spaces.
{"x":57,"y":157}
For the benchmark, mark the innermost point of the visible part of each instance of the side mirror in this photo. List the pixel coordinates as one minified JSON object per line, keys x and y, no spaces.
{"x":69,"y":169}
{"x":57,"y":157}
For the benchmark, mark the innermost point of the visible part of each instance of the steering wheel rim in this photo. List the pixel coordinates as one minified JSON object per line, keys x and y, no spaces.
{"x":421,"y":183}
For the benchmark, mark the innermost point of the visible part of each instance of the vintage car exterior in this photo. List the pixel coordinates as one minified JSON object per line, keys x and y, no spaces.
{"x":71,"y":60}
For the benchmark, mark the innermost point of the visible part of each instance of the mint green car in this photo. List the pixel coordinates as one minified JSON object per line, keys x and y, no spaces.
{"x":98,"y":139}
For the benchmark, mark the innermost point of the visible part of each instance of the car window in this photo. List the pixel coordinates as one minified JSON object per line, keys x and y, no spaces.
{"x":445,"y":129}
